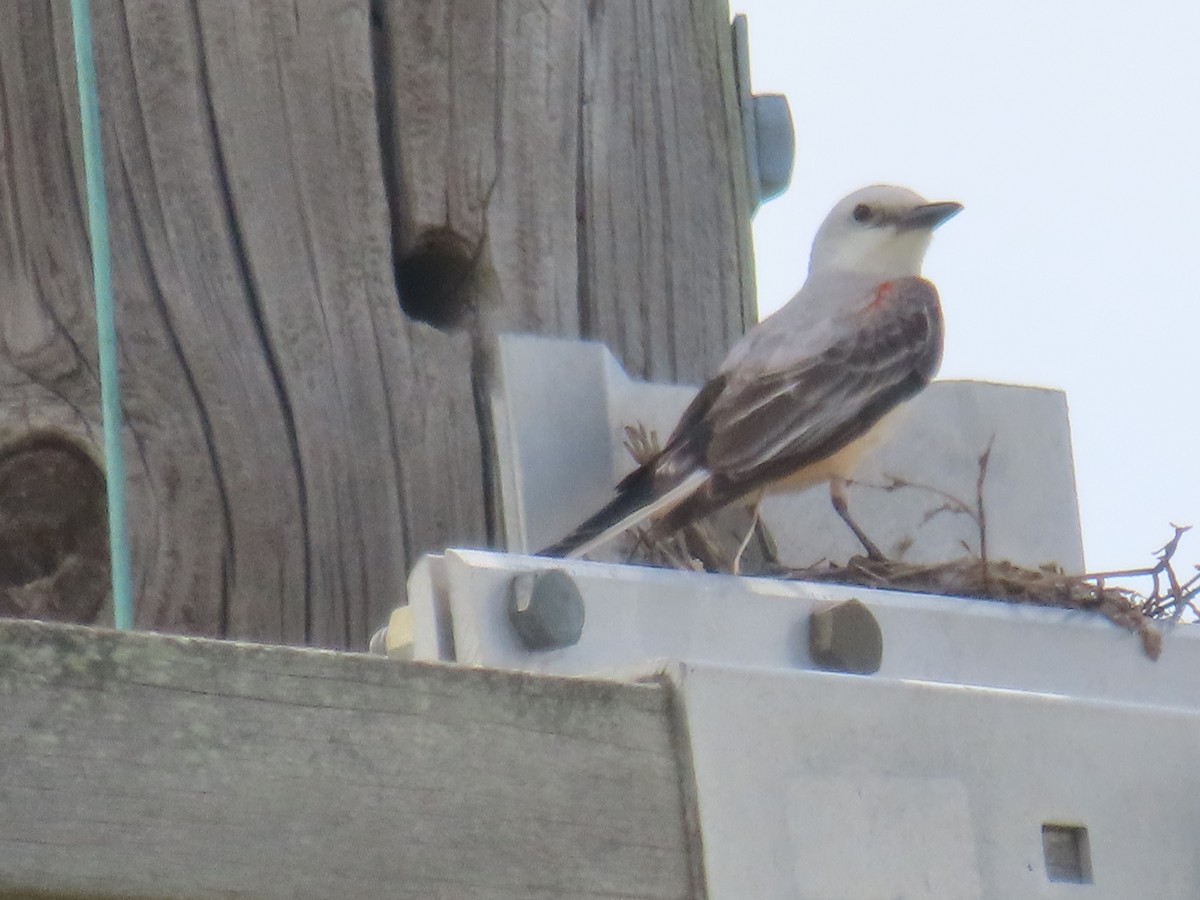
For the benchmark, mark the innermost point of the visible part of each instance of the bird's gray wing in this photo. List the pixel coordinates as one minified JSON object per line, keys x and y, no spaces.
{"x":766,"y":425}
{"x":758,"y":421}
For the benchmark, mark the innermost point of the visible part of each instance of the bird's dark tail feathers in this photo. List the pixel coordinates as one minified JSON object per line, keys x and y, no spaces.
{"x":635,"y":492}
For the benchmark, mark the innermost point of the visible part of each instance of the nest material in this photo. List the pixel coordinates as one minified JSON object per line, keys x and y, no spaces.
{"x":699,"y":548}
{"x":1005,"y":581}
{"x":712,"y":545}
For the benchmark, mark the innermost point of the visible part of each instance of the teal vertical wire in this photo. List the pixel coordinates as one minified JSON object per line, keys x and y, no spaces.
{"x":106,"y":332}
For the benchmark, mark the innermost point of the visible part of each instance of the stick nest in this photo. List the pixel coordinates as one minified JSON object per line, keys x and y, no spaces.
{"x":712,"y":545}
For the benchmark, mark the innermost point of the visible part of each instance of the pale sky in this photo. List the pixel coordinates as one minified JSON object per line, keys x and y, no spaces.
{"x":1071,"y":132}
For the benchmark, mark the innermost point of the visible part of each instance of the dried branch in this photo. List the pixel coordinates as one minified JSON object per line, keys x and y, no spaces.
{"x":642,"y":444}
{"x":980,"y":513}
{"x":950,"y":503}
{"x":702,"y":545}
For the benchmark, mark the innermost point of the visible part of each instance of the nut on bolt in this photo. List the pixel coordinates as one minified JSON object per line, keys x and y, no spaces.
{"x":546,"y":609}
{"x":845,"y":637}
{"x":767,"y":130}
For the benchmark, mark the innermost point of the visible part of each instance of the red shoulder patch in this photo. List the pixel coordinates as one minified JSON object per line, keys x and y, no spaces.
{"x":883,"y":294}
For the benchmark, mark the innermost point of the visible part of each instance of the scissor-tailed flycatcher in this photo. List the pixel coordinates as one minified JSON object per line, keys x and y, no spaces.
{"x":800,"y":398}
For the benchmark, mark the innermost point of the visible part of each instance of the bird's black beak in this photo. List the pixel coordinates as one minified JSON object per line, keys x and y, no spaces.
{"x":928,"y":215}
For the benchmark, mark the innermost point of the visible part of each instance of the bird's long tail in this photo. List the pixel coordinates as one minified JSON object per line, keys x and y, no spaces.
{"x":639,"y":496}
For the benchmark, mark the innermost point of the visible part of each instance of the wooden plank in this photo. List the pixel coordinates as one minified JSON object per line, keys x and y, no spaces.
{"x":666,"y":268}
{"x":380,"y":479}
{"x":49,"y":394}
{"x":481,"y":133}
{"x":295,"y":442}
{"x":588,"y":161}
{"x":296,"y":187}
{"x":142,"y":765}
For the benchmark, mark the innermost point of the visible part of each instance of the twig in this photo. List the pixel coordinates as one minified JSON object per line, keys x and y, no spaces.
{"x":981,"y":515}
{"x":952,"y":503}
{"x":1167,"y":600}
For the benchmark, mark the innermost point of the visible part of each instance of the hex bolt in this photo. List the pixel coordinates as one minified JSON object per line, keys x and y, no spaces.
{"x":767,"y":130}
{"x":845,"y":637}
{"x":546,"y":609}
{"x":776,"y":144}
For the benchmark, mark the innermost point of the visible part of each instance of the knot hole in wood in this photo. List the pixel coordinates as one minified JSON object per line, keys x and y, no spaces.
{"x":53,"y":530}
{"x":438,"y":279}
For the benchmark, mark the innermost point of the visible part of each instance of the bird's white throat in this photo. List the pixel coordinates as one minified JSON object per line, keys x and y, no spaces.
{"x":884,"y":253}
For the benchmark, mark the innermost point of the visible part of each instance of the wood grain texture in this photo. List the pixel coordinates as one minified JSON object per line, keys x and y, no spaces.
{"x":666,"y":271}
{"x":589,"y":159}
{"x":296,"y":442}
{"x":483,"y":132}
{"x":296,"y":187}
{"x":189,"y":768}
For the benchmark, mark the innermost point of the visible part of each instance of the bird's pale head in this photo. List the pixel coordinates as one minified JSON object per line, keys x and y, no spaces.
{"x":880,"y":230}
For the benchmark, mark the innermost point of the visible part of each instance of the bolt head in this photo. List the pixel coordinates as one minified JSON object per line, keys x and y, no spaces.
{"x":545,"y":609}
{"x":846,"y":637}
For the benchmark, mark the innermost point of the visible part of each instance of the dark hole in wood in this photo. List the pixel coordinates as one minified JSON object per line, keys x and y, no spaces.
{"x":437,"y":280}
{"x":53,"y":531}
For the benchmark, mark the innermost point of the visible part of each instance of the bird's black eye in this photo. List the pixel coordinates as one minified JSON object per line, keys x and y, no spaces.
{"x":862,"y":213}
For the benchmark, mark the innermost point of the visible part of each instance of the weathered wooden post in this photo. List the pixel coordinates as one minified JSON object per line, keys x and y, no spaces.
{"x":321,"y":215}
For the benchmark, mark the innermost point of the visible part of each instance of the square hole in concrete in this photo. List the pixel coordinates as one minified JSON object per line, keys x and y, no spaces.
{"x":1068,"y":857}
